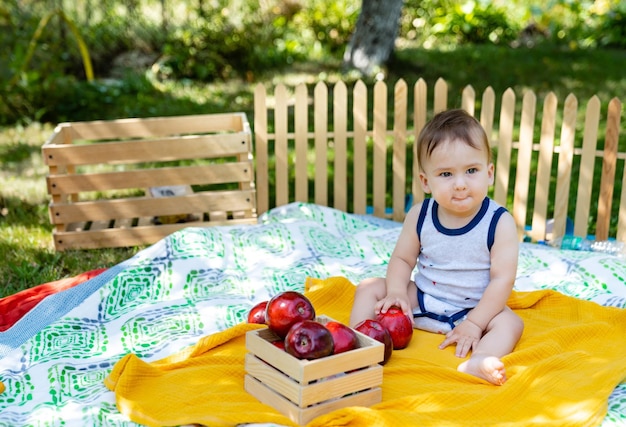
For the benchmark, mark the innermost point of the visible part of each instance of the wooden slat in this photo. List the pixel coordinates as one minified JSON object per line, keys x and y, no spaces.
{"x":148,"y":127}
{"x":587,"y":165}
{"x":609,"y":166}
{"x":468,"y":100}
{"x":66,"y":138}
{"x":359,"y":111}
{"x":246,"y":184}
{"x":261,"y":148}
{"x":544,"y":168}
{"x":380,"y":148}
{"x":125,"y":237}
{"x":281,"y":148}
{"x":564,"y":173}
{"x":205,"y":146}
{"x":505,"y":145}
{"x":420,"y":112}
{"x":57,"y":136}
{"x":399,"y":150}
{"x":340,"y":125}
{"x":316,"y":392}
{"x":524,"y":159}
{"x":104,"y":210}
{"x":302,"y":416}
{"x":219,"y":173}
{"x":487,"y":112}
{"x":69,"y":169}
{"x":441,"y":96}
{"x":301,"y":140}
{"x":321,"y":143}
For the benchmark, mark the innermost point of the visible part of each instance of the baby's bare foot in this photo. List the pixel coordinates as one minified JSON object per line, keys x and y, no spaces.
{"x":489,"y":368}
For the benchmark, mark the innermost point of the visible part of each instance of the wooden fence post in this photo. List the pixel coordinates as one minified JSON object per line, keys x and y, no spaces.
{"x":340,"y":125}
{"x":587,"y":165}
{"x":524,"y":158}
{"x":261,"y":153}
{"x":301,"y":129}
{"x":564,"y":174}
{"x":420,"y":114}
{"x":505,"y":145}
{"x":359,"y":111}
{"x":609,"y":166}
{"x":320,"y":103}
{"x":399,"y":188}
{"x":544,"y":168}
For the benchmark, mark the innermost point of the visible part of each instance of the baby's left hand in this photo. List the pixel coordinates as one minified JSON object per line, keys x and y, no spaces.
{"x":466,"y":335}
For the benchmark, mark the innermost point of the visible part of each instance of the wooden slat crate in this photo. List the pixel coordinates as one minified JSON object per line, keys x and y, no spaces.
{"x":134,"y":181}
{"x":305,"y":389}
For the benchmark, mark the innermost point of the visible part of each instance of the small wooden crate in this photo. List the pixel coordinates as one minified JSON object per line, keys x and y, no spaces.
{"x":305,"y":389}
{"x":107,"y":179}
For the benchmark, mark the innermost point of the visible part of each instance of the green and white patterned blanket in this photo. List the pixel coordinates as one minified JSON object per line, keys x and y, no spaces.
{"x":202,"y":280}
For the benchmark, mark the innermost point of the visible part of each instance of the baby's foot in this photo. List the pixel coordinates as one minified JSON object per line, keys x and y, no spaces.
{"x":489,"y":368}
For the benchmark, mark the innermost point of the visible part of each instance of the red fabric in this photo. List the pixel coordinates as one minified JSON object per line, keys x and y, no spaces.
{"x":14,"y":307}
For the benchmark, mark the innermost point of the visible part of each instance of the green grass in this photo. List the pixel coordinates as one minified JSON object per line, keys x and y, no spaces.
{"x":26,"y":244}
{"x":542,"y":69}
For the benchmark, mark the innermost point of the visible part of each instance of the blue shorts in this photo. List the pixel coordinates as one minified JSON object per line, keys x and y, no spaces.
{"x":435,"y":315}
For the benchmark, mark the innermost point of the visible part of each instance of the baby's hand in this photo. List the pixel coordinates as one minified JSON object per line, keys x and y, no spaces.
{"x":466,"y":335}
{"x":394,"y":300}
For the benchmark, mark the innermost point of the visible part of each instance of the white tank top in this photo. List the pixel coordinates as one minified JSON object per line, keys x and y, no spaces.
{"x":454,"y":264}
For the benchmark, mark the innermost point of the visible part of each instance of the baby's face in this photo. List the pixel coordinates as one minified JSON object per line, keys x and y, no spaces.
{"x":458,"y":176}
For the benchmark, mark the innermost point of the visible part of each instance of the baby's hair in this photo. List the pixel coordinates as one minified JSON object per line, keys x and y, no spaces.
{"x":448,"y":126}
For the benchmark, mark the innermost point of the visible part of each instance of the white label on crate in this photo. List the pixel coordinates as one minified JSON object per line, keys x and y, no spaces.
{"x":168,"y":191}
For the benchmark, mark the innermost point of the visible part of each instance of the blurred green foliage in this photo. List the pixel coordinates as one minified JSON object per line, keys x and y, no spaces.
{"x":243,"y":39}
{"x":437,"y":22}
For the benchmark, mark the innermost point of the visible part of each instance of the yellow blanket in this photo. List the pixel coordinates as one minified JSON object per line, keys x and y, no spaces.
{"x":570,"y":358}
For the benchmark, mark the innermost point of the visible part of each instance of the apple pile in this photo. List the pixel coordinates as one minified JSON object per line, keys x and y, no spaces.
{"x":291,"y":316}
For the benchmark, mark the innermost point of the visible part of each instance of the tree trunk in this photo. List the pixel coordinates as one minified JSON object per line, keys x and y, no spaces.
{"x":164,"y":15}
{"x":374,"y":38}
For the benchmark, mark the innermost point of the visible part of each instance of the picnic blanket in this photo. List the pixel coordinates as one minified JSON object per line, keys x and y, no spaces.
{"x":561,"y":373}
{"x":200,"y":281}
{"x":16,"y":306}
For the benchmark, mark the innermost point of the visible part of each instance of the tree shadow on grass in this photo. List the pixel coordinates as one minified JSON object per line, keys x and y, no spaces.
{"x":16,"y":153}
{"x":151,"y":98}
{"x":133,"y":95}
{"x":25,"y":266}
{"x":542,"y":68}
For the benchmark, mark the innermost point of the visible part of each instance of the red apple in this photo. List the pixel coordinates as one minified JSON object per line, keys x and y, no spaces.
{"x":344,"y":337}
{"x":285,"y":309}
{"x":376,"y":330}
{"x":399,"y":325}
{"x":257,"y":313}
{"x":309,"y":339}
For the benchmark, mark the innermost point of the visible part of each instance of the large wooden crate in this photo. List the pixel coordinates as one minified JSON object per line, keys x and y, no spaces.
{"x":134,"y":181}
{"x":305,"y":389}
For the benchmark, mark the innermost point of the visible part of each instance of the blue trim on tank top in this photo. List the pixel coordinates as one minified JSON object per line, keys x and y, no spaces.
{"x":466,"y":228}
